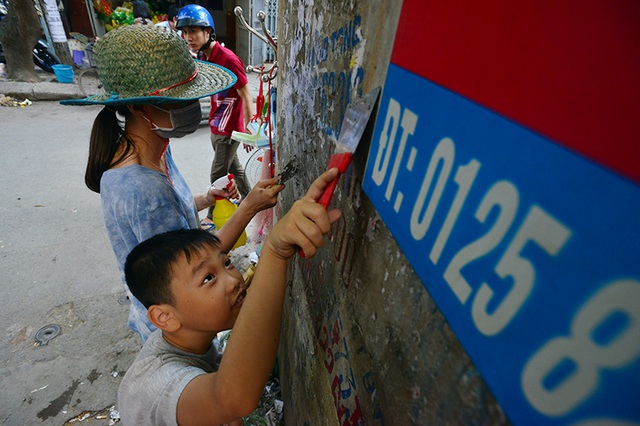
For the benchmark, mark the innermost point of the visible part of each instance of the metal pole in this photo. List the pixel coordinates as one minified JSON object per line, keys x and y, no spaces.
{"x":45,"y":27}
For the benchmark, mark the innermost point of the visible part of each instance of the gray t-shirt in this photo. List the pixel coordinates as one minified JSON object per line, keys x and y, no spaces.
{"x":138,"y":203}
{"x":150,"y":389}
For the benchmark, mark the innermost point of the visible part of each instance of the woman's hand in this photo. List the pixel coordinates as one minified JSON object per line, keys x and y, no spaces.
{"x":230,"y":192}
{"x":263,"y":196}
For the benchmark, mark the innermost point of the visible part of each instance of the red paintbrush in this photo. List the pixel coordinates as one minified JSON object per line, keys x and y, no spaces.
{"x":353,"y":125}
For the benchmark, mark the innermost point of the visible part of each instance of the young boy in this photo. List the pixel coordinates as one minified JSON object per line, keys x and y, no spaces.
{"x":192,"y":292}
{"x":230,"y":110}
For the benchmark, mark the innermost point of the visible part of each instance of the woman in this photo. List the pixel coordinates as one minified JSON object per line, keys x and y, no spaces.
{"x":151,"y":81}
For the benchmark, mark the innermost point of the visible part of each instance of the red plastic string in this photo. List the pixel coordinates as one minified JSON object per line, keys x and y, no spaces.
{"x":259,"y":101}
{"x":272,"y":163}
{"x":157,"y":92}
{"x":164,"y":156}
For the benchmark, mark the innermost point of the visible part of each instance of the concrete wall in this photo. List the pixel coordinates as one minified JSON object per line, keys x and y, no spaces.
{"x":363,"y":342}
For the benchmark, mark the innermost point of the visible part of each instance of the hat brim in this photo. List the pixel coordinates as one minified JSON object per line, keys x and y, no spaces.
{"x":211,"y":79}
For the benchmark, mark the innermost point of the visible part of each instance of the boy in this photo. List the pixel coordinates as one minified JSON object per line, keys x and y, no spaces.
{"x":192,"y":292}
{"x":230,"y":110}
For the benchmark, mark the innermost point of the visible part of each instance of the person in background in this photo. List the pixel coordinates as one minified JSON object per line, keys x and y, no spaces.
{"x":151,"y":90}
{"x":192,"y":291}
{"x":230,"y":110}
{"x":141,"y":13}
{"x":172,"y":14}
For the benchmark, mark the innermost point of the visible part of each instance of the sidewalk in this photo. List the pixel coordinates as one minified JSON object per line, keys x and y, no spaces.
{"x":49,"y":89}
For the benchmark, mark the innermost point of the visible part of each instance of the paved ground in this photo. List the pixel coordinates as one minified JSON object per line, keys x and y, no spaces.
{"x":49,"y":89}
{"x":57,"y":268}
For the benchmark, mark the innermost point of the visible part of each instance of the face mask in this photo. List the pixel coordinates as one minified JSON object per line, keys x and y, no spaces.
{"x":184,"y":120}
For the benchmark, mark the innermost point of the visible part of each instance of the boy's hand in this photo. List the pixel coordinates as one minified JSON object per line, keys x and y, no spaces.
{"x":264,"y":195}
{"x":306,"y":223}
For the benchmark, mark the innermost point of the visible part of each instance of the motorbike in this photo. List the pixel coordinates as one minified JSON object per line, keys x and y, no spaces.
{"x":43,"y":55}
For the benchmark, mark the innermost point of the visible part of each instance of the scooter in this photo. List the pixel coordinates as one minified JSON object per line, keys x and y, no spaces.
{"x":42,"y":55}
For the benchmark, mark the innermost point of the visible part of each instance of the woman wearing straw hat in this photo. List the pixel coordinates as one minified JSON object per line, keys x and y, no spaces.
{"x":151,"y":81}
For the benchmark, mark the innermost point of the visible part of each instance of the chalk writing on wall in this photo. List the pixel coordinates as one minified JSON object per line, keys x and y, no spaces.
{"x":334,"y":88}
{"x":340,"y":42}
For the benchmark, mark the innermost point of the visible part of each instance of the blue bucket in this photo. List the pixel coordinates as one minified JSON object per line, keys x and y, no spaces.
{"x":64,"y":73}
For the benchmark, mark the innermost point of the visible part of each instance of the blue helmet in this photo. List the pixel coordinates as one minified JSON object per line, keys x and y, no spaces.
{"x":193,"y":15}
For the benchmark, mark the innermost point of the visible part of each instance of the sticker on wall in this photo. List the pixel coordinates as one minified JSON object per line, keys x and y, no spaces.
{"x":527,"y":238}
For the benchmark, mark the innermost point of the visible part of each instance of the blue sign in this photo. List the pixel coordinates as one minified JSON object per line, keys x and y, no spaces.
{"x":531,"y":251}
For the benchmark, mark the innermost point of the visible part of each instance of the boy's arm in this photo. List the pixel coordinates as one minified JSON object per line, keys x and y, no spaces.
{"x":235,"y":389}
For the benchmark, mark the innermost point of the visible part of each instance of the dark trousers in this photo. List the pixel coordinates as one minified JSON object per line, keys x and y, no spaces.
{"x":225,"y":160}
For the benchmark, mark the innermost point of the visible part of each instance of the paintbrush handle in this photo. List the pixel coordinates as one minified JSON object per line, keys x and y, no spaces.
{"x":327,"y":195}
{"x":325,"y":198}
{"x":341,"y":161}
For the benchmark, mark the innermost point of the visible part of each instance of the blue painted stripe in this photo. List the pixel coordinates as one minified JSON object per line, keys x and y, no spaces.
{"x":567,"y":235}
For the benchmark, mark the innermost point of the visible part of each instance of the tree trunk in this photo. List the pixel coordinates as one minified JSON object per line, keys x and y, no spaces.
{"x":19,"y":32}
{"x":62,"y":50}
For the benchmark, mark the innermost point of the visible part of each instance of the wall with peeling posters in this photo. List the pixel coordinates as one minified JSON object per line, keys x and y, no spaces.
{"x":485,"y":269}
{"x":363,"y":342}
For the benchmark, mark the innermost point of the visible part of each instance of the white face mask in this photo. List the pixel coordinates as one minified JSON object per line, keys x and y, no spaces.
{"x":184,"y":120}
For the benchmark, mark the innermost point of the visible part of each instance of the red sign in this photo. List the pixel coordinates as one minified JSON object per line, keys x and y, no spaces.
{"x":567,"y":70}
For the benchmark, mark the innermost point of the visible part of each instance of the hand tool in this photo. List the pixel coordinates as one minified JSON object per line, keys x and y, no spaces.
{"x":353,"y":125}
{"x":288,"y":171}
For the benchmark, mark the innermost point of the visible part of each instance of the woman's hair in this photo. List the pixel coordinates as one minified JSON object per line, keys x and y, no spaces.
{"x":141,"y":10}
{"x":149,"y":267}
{"x":107,"y":135}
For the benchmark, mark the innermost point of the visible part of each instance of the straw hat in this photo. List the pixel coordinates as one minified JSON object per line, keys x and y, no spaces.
{"x":144,"y":64}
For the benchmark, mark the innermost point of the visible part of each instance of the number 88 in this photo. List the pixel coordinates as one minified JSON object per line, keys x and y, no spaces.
{"x":589,"y":357}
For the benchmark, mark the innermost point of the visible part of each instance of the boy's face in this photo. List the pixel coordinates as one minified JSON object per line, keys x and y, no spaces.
{"x":195,"y":37}
{"x":208,"y":291}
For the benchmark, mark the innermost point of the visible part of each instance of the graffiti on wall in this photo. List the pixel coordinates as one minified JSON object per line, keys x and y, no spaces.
{"x":330,"y":86}
{"x":339,"y":43}
{"x":347,"y":386}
